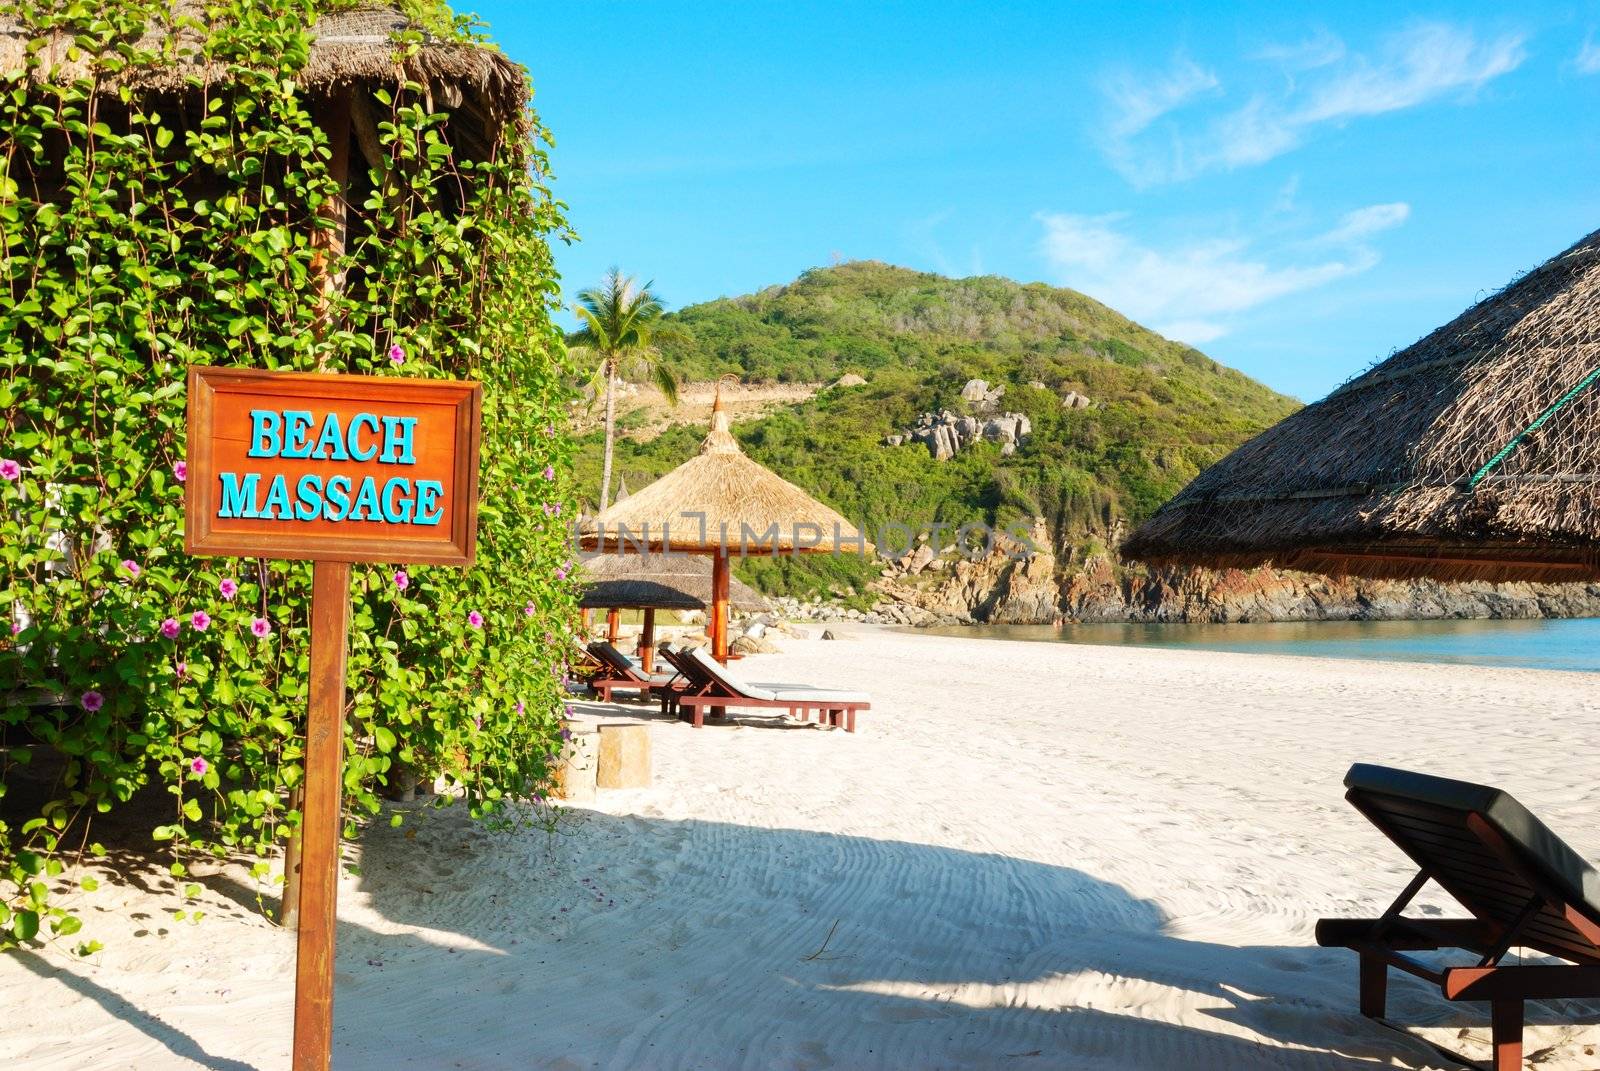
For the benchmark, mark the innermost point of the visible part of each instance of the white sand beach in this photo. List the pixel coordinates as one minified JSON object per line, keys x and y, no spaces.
{"x":1031,"y":856}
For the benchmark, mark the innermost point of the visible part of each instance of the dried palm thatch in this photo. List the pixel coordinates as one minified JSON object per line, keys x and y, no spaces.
{"x":720,"y":500}
{"x":481,"y":86}
{"x":1474,"y":454}
{"x":657,"y":581}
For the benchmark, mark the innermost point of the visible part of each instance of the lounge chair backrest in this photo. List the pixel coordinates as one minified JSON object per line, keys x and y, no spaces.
{"x":1489,"y":852}
{"x":729,"y":681}
{"x":614,"y":659}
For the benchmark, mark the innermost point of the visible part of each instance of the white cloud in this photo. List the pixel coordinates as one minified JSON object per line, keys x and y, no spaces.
{"x":1138,"y":102}
{"x":1318,"y":50}
{"x":1588,"y":61}
{"x":1192,"y":291}
{"x":1365,"y":222}
{"x":1421,"y":64}
{"x":1193,"y":332}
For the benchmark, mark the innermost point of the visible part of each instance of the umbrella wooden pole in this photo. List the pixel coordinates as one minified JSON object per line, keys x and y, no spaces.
{"x":613,"y":625}
{"x":719,"y":607}
{"x":647,"y":640}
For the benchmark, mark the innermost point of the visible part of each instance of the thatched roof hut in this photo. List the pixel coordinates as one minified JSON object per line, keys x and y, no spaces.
{"x":1473,"y":454}
{"x":478,"y":85}
{"x":657,"y":581}
{"x":720,"y":500}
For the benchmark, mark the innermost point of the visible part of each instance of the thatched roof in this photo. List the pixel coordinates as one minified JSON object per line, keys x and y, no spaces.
{"x":640,"y":581}
{"x":350,"y":47}
{"x":721,"y":499}
{"x":1474,"y":454}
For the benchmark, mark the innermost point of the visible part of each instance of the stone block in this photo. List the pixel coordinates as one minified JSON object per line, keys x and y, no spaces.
{"x":624,"y":756}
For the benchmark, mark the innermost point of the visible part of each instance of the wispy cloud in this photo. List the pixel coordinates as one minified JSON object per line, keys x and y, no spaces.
{"x":1192,"y":291}
{"x":1327,"y":85}
{"x":1588,"y":61}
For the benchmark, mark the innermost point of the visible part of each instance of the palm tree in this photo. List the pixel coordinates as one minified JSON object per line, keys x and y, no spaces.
{"x":621,"y":323}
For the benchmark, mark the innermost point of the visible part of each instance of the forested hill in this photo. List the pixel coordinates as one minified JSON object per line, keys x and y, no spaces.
{"x":1158,"y":410}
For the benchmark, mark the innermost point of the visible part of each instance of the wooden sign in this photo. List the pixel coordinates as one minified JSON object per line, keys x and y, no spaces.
{"x":332,"y":469}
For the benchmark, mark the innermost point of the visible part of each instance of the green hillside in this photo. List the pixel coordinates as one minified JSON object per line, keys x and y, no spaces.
{"x":1161,"y":410}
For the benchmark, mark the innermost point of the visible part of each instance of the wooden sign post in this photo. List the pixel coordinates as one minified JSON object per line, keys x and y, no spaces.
{"x":329,"y":469}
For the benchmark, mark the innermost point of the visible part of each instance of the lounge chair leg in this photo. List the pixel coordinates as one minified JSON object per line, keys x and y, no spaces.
{"x":699,"y":716}
{"x":1374,"y":987}
{"x":1506,"y":1016}
{"x":850,"y":721}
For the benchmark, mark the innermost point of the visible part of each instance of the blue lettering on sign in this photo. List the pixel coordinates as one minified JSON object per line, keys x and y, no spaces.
{"x":296,"y":422}
{"x":428,"y":492}
{"x":239,"y":496}
{"x":264,"y":425}
{"x":297,"y":434}
{"x":397,"y":440}
{"x":356,"y":453}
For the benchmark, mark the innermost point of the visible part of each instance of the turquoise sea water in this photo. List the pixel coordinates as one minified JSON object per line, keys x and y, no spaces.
{"x":1562,"y":645}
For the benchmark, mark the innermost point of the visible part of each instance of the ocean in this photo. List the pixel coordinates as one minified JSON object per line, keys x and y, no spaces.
{"x":1567,"y":645}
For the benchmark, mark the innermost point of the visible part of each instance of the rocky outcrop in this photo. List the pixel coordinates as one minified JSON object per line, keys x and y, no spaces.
{"x":1008,"y":586}
{"x":946,"y":434}
{"x":983,"y":397}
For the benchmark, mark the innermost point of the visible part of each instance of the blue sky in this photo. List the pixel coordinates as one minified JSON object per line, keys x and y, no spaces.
{"x":1296,"y":194}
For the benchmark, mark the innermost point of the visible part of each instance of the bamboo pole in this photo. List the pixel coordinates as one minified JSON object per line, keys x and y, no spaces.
{"x":719,"y":606}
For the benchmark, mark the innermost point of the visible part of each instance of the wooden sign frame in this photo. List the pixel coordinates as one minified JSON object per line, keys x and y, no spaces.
{"x":213,"y":388}
{"x":276,"y":527}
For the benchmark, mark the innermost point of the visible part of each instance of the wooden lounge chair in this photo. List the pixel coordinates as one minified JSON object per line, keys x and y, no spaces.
{"x":619,"y":672}
{"x":1523,"y":886}
{"x":710,"y":685}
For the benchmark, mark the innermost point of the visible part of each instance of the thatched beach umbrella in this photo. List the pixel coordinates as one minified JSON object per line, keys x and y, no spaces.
{"x":1472,"y":455}
{"x":652,"y":582}
{"x":720,"y":503}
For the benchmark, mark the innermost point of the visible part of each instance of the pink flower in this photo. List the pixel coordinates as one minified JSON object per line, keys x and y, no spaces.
{"x":180,"y":471}
{"x":10,"y":470}
{"x":528,"y":611}
{"x":397,"y":354}
{"x":401,"y":580}
{"x":475,"y":619}
{"x":16,"y":627}
{"x":520,"y":708}
{"x":170,"y":628}
{"x":198,"y":766}
{"x":558,"y":509}
{"x":548,"y":509}
{"x":200,"y":620}
{"x":260,"y":627}
{"x":91,"y":700}
{"x":549,"y":472}
{"x":182,"y":670}
{"x":561,"y":573}
{"x":132,"y":568}
{"x":229,"y":588}
{"x":566,"y":734}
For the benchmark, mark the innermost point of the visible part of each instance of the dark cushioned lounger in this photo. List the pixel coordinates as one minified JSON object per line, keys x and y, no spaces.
{"x":619,"y":672}
{"x":1522,"y":885}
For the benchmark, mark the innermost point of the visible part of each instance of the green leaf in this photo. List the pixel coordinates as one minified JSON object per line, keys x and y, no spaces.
{"x":25,"y":925}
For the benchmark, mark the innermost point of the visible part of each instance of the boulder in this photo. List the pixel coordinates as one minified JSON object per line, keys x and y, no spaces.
{"x":1073,"y":400}
{"x":849,"y":379}
{"x":975,"y":390}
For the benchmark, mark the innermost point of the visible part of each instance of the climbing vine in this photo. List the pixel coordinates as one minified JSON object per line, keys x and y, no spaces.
{"x":151,"y":221}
